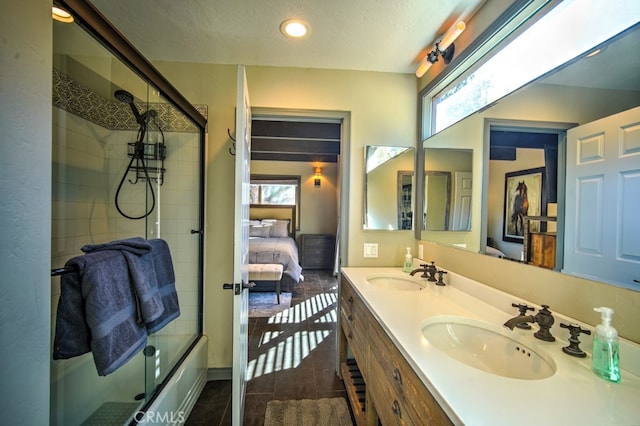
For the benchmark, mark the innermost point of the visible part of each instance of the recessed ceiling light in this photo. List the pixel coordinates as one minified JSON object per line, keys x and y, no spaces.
{"x":294,"y":28}
{"x":61,"y":15}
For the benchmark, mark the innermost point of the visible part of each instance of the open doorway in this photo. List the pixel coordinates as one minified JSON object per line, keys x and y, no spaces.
{"x":312,"y":146}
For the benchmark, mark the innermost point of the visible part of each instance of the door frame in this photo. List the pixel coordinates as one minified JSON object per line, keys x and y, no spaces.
{"x":342,"y":248}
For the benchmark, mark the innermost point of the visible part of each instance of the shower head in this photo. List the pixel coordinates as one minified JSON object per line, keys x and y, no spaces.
{"x":123,"y":96}
{"x":127,"y":98}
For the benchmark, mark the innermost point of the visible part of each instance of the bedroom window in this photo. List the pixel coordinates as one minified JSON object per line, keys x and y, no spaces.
{"x":271,"y":190}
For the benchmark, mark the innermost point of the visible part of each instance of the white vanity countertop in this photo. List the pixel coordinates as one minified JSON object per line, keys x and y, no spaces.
{"x":574,"y":395}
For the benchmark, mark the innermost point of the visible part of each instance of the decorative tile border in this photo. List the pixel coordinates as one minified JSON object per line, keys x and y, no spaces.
{"x":79,"y":100}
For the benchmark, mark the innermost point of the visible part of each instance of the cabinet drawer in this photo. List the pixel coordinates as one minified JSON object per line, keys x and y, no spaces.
{"x":390,"y":405}
{"x":416,"y":402}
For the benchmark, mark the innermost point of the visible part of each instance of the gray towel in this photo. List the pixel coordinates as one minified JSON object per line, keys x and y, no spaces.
{"x":137,"y":252}
{"x":137,"y":245}
{"x":118,"y":293}
{"x":97,"y":311}
{"x":166,"y":285}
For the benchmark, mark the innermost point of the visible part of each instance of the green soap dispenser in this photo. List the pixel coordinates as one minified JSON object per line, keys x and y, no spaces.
{"x":605,"y":357}
{"x":408,"y":261}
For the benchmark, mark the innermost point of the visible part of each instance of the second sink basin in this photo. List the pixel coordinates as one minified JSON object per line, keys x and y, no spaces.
{"x":397,"y":281}
{"x":491,"y":348}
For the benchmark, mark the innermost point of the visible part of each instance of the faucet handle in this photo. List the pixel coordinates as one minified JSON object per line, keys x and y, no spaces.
{"x":545,"y":320}
{"x":440,"y":274}
{"x":574,"y":331}
{"x":523,"y":308}
{"x":432,"y":270}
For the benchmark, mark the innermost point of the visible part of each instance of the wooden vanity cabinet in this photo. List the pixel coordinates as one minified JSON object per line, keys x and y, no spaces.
{"x":392,"y":391}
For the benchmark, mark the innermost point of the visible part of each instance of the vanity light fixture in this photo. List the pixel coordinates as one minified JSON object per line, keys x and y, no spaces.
{"x":443,"y":47}
{"x":61,"y":15}
{"x":318,"y":177}
{"x":294,"y":28}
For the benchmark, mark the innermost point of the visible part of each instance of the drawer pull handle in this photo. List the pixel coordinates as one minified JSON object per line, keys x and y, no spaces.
{"x":396,"y":409}
{"x":350,"y":299}
{"x":350,"y":335}
{"x":396,"y":376}
{"x":350,"y":317}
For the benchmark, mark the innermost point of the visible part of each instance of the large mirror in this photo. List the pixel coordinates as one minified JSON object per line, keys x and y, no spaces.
{"x":523,"y":138}
{"x":388,"y":188}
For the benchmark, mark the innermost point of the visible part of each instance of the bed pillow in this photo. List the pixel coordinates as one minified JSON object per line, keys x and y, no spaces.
{"x":279,"y":229}
{"x":259,"y":230}
{"x":254,"y":222}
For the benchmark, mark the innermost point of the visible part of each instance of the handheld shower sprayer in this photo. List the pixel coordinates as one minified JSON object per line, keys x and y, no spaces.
{"x":127,"y":98}
{"x":139,"y":153}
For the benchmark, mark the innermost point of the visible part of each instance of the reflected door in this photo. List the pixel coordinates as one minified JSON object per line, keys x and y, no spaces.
{"x":603,"y":199}
{"x":463,"y":186}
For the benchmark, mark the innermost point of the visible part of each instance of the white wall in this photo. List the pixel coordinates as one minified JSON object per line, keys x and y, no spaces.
{"x":25,"y":210}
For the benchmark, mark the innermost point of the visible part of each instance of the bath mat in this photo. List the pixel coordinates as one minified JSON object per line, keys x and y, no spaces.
{"x":264,"y":304}
{"x":308,"y":412}
{"x":112,"y":413}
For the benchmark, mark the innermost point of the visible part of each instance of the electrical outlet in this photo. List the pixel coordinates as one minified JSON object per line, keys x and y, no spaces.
{"x":370,"y":249}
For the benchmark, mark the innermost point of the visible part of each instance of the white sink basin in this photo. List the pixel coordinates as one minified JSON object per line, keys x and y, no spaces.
{"x":488,"y":347}
{"x":400,"y":282}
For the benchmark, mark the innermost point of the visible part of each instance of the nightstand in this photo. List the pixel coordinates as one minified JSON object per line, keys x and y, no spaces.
{"x":317,"y":251}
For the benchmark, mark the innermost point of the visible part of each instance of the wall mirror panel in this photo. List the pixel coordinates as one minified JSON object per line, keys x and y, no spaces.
{"x":584,"y":91}
{"x":388,"y":188}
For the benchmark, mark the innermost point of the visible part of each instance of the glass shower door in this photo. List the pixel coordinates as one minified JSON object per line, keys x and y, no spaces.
{"x":126,"y":163}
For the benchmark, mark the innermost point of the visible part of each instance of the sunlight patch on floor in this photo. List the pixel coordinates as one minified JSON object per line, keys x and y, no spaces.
{"x":305,"y":310}
{"x":287,"y":353}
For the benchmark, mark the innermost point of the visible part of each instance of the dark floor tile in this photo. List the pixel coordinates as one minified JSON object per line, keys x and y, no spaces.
{"x":254,"y":409}
{"x":212,"y":405}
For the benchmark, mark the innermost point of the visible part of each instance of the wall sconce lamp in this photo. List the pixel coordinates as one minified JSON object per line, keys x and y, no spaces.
{"x":444,"y":47}
{"x":318,"y":177}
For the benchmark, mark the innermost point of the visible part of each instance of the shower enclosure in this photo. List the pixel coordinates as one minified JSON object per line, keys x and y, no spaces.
{"x":128,"y":161}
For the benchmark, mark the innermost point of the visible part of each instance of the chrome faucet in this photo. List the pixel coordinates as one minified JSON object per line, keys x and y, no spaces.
{"x":544,"y":318}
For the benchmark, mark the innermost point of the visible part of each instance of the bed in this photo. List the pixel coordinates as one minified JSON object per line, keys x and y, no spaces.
{"x":272,"y":241}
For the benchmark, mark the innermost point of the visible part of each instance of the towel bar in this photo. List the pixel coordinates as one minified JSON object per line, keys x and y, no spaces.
{"x":61,"y":271}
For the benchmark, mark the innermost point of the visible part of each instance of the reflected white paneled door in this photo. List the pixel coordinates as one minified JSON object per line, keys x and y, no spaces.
{"x":602,"y":232}
{"x":461,"y":212}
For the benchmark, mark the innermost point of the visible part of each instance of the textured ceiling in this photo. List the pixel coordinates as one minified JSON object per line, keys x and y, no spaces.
{"x":372,"y":35}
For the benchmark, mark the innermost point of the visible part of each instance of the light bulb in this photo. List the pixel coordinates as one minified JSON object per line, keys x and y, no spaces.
{"x":451,"y":35}
{"x":423,"y":67}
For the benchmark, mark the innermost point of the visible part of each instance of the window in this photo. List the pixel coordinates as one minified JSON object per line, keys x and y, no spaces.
{"x":267,"y":190}
{"x":575,"y":25}
{"x":273,"y":193}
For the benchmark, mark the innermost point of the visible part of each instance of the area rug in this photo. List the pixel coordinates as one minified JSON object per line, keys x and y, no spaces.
{"x":264,"y":304}
{"x":308,"y":412}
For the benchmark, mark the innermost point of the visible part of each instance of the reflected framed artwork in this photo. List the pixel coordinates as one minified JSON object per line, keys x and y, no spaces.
{"x":523,"y":196}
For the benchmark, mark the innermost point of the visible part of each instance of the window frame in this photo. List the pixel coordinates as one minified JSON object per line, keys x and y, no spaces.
{"x":258,"y":179}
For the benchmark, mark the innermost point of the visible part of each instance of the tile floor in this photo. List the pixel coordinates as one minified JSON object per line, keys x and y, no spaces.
{"x":290,"y":357}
